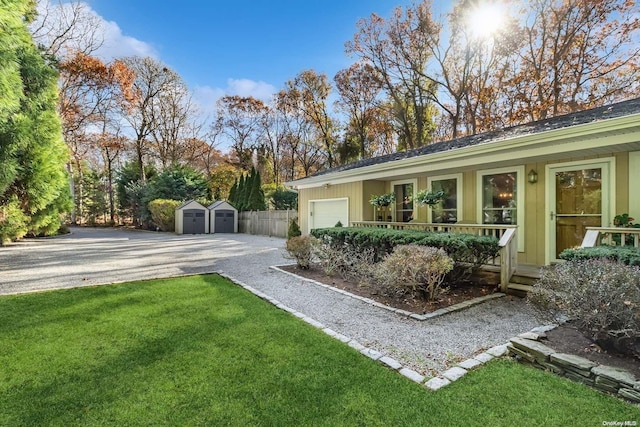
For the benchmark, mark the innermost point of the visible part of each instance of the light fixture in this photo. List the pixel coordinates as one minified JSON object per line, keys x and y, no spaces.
{"x":326,"y":185}
{"x":532,"y":177}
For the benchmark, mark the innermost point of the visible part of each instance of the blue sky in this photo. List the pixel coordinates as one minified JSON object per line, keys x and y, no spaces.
{"x":245,"y":47}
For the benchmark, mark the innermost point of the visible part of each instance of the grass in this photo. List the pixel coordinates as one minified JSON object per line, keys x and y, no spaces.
{"x":202,"y":351}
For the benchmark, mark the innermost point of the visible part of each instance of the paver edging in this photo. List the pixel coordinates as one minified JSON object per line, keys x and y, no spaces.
{"x":420,"y":317}
{"x":430,"y":383}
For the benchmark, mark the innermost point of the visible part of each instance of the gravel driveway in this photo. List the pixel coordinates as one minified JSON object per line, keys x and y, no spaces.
{"x":101,"y":256}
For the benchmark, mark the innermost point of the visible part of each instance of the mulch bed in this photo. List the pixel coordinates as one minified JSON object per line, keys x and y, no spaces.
{"x":564,"y":339}
{"x":458,"y":292}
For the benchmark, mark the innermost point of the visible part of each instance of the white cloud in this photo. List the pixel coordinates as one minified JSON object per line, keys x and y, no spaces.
{"x":246,"y":87}
{"x":117,"y":45}
{"x":90,"y":29}
{"x":207,"y":96}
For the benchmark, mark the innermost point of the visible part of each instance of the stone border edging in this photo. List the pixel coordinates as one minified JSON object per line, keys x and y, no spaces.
{"x":433,"y":383}
{"x":527,"y":349}
{"x":421,"y":317}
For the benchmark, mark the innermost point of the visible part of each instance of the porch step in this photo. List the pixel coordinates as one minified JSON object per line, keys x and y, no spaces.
{"x":523,"y":280}
{"x":518,"y":289}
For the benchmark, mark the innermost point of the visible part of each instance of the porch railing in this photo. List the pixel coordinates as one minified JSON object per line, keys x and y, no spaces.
{"x":507,"y":258}
{"x":612,"y":236}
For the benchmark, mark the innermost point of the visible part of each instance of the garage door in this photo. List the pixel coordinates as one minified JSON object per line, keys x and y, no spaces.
{"x":326,"y":213}
{"x":224,"y":221}
{"x":193,"y":221}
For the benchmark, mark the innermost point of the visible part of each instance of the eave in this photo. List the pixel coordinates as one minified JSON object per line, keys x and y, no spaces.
{"x":616,"y":134}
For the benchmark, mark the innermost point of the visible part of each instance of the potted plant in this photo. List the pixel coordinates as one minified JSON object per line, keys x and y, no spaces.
{"x":382,"y":201}
{"x":425,"y":197}
{"x":624,"y":221}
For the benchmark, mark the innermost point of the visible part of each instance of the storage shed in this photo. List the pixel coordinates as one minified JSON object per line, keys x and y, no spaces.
{"x":223,"y":217}
{"x":192,"y":218}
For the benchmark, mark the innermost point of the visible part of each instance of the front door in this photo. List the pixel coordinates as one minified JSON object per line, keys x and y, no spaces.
{"x":579,"y":198}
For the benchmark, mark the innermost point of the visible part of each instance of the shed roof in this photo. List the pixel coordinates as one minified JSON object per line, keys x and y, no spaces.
{"x":221,"y":204}
{"x":189,"y":202}
{"x":620,"y":109}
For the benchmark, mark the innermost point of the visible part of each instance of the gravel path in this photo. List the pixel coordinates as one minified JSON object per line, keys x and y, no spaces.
{"x":102,"y":256}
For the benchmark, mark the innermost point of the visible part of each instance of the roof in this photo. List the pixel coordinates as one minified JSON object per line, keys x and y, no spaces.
{"x":220,"y":203}
{"x":188,"y":202}
{"x":620,"y":109}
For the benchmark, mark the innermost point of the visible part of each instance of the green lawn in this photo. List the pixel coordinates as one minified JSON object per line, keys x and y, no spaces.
{"x":202,"y":351}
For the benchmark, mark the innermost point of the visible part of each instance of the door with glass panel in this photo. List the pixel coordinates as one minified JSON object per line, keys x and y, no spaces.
{"x":404,"y":202}
{"x":578,"y":199}
{"x":445,"y":211}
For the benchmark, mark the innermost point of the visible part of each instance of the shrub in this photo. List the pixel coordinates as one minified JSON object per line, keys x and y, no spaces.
{"x":163,"y":213}
{"x":624,"y":254}
{"x":339,"y":224}
{"x":294,"y":229}
{"x":468,"y":251}
{"x":349,"y":264}
{"x":419,"y":269}
{"x":300,"y":248}
{"x":602,"y":297}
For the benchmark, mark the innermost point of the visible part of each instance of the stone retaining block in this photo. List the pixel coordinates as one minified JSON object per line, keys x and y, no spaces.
{"x":576,"y":368}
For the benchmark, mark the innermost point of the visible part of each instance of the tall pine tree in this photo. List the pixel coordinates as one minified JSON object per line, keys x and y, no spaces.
{"x":233,"y":193}
{"x":256,"y":200}
{"x":34,"y":186}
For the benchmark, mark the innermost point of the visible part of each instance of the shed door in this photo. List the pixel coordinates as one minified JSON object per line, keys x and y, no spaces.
{"x":193,"y":221}
{"x":326,"y":213}
{"x":224,"y":221}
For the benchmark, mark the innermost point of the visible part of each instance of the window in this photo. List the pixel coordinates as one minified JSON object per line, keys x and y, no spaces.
{"x":404,"y":192}
{"x":450,"y":209}
{"x":501,"y":198}
{"x":499,"y":202}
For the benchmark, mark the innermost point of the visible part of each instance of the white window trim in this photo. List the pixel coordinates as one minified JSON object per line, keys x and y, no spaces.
{"x":459,"y":197}
{"x":520,"y":197}
{"x":393,"y":184}
{"x":634,"y":178}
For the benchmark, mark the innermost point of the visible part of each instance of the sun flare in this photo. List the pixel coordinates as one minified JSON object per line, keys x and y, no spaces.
{"x":486,"y":19}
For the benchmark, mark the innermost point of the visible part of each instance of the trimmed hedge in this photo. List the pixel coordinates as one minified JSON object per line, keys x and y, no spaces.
{"x":464,"y":249}
{"x":624,"y":254}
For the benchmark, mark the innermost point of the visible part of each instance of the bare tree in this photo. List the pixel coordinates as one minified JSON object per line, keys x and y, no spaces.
{"x":399,"y":49}
{"x":152,"y":80}
{"x":359,"y":87}
{"x":576,"y":54}
{"x":173,"y":117}
{"x":241,"y":119}
{"x":64,"y":28}
{"x":308,"y":93}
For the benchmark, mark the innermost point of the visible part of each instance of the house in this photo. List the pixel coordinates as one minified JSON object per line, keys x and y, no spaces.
{"x":550,"y":178}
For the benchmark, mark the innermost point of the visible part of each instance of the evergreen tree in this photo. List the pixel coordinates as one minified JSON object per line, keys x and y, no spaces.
{"x":256,"y":200}
{"x":233,"y":193}
{"x":241,"y":194}
{"x":127,"y":190}
{"x":32,"y":151}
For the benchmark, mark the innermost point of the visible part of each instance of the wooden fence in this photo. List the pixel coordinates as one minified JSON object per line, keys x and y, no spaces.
{"x":266,"y":223}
